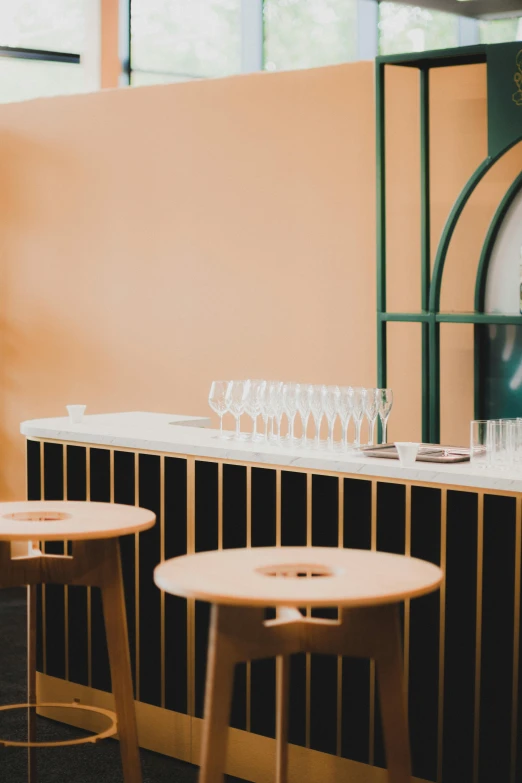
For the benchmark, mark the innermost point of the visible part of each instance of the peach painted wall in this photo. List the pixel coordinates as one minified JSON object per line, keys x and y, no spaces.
{"x":153,"y":239}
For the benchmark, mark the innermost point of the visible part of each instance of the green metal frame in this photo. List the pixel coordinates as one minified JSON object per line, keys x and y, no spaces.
{"x":430,"y":316}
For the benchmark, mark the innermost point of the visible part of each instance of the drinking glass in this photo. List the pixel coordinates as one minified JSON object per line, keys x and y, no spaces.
{"x":316,"y":405}
{"x":479,"y":448}
{"x":279,"y":408}
{"x":218,"y":402}
{"x":500,"y":442}
{"x":331,"y":408}
{"x":385,"y":397}
{"x":517,"y":441}
{"x":304,"y":406}
{"x":254,"y":401}
{"x":274,"y":392}
{"x":371,"y":409}
{"x":236,"y":397}
{"x":345,"y":411}
{"x":359,"y":397}
{"x":290,"y":406}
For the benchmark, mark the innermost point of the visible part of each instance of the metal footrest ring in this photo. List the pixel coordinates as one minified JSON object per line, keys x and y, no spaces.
{"x":108,"y":732}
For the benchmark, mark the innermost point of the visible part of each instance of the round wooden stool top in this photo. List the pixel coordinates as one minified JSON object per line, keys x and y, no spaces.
{"x":51,"y":520}
{"x":273,"y":576}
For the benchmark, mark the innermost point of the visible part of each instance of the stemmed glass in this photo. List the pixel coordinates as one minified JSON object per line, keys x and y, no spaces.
{"x":254,"y":403}
{"x":345,"y":411}
{"x":218,"y":402}
{"x":290,"y":407}
{"x":331,"y":397}
{"x":359,"y":396}
{"x":274,"y":392}
{"x":304,"y":398}
{"x":316,"y":405}
{"x":236,"y":397}
{"x":279,"y":408}
{"x":385,"y":397}
{"x":371,"y":409}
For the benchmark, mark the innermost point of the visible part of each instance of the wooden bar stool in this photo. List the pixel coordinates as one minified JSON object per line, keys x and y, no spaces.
{"x":94,"y":529}
{"x":241,"y":583}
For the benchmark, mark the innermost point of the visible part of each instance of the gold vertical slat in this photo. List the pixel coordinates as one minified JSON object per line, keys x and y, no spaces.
{"x":278,"y":507}
{"x":249,"y":544}
{"x":89,"y":598}
{"x":42,"y":547}
{"x":137,"y":575}
{"x":340,"y":543}
{"x":220,"y":505}
{"x":442,"y":631}
{"x":162,"y":592}
{"x":308,"y":665}
{"x":191,"y":642}
{"x":372,"y":662}
{"x":478,"y":637}
{"x":516,"y":640}
{"x":66,"y":587}
{"x":407,"y":552}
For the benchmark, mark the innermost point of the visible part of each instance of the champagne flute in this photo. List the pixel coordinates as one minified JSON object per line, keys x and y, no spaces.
{"x":385,"y":405}
{"x":304,"y":397}
{"x":316,"y":405}
{"x":218,"y":402}
{"x":274,"y":391}
{"x":290,"y":406}
{"x":359,"y":396}
{"x":331,"y":407}
{"x":371,"y":409}
{"x":237,"y":393}
{"x":345,"y":411}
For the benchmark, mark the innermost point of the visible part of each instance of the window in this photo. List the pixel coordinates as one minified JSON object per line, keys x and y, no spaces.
{"x":501,"y":30}
{"x":176,"y":40}
{"x":40,"y":46}
{"x":309,"y":34}
{"x":406,"y":28}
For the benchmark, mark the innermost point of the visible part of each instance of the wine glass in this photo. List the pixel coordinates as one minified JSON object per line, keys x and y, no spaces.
{"x":253,"y":403}
{"x":385,"y":397}
{"x":331,"y":406}
{"x":290,"y":406}
{"x":345,"y":411}
{"x":359,"y":395}
{"x":304,"y":397}
{"x":236,"y":397}
{"x":371,"y":409}
{"x":316,"y":405}
{"x":217,"y":401}
{"x":273,"y":390}
{"x":279,"y":408}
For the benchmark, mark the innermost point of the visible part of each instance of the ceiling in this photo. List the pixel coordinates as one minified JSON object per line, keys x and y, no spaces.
{"x":483,"y":9}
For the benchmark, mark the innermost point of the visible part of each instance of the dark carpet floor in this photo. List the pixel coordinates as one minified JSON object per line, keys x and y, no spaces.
{"x":98,"y":763}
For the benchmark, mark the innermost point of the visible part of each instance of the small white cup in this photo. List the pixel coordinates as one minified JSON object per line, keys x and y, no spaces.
{"x":76,"y":413}
{"x":407,"y":453}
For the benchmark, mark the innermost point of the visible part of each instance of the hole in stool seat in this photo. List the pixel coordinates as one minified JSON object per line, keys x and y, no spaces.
{"x":37,"y":516}
{"x":296,"y":571}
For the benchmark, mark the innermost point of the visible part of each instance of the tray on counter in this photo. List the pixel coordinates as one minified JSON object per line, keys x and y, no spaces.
{"x":428,"y":452}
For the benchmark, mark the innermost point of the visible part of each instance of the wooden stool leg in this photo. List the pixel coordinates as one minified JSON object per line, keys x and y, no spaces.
{"x":392,"y":698}
{"x":218,"y":700}
{"x":31,"y":681}
{"x":119,"y":658}
{"x":282,"y":693}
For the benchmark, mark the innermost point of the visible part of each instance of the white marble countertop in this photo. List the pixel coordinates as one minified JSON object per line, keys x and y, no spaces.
{"x":191,"y":435}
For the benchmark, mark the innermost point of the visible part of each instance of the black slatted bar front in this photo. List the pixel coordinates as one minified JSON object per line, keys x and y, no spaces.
{"x":125,"y":492}
{"x":355,"y":692}
{"x":100,"y":491}
{"x":176,"y":632}
{"x":149,"y":489}
{"x":54,"y":594}
{"x":78,"y":643}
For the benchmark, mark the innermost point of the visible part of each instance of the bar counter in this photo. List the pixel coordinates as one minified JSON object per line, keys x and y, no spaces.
{"x":461,"y":647}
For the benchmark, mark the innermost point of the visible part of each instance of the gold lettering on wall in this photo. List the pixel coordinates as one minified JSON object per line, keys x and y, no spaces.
{"x":517,"y":96}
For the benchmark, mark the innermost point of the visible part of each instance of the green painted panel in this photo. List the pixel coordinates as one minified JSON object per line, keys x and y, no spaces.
{"x":504,"y":96}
